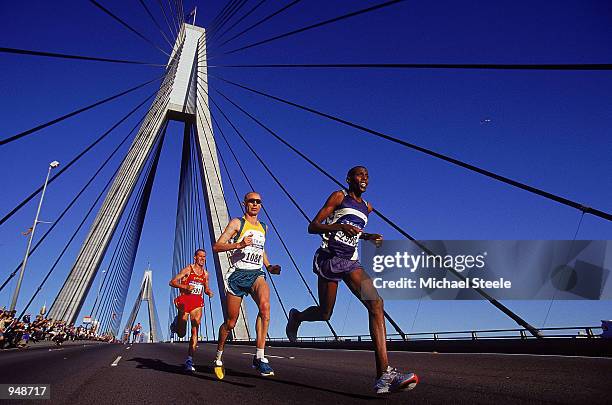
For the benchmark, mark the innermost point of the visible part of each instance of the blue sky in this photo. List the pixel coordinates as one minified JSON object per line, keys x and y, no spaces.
{"x":548,"y":129}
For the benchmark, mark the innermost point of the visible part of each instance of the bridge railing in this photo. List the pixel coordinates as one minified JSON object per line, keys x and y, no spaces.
{"x":588,"y":332}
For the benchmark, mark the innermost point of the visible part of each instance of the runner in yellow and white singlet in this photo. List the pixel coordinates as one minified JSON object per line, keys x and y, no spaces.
{"x":245,"y":238}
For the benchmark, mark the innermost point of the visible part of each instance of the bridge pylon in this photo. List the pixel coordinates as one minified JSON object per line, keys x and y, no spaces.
{"x":146,"y":294}
{"x":183,"y":96}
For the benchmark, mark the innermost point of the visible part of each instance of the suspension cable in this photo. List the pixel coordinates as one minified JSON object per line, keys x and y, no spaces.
{"x":57,"y":260}
{"x":198,"y":229}
{"x":126,"y":25}
{"x":248,"y":13}
{"x":231,"y":15}
{"x":457,"y":162}
{"x":221,"y":15}
{"x":484,"y":66}
{"x":73,"y":161}
{"x":201,"y":191}
{"x":218,"y":173}
{"x":78,"y":57}
{"x":178,"y":257}
{"x":265,"y":211}
{"x":73,"y":113}
{"x":317,"y":25}
{"x":63,"y":213}
{"x":171,"y":27}
{"x":140,"y":141}
{"x":81,"y":224}
{"x":144,"y":5}
{"x":153,"y":108}
{"x":175,"y":17}
{"x":207,"y":180}
{"x":134,"y":225}
{"x":263,"y":20}
{"x":567,"y":260}
{"x":118,"y":252}
{"x":492,"y":300}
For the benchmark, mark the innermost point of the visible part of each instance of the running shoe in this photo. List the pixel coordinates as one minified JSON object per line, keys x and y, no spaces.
{"x":189,"y":365}
{"x":393,"y":380}
{"x":262,"y":366}
{"x":219,"y":369}
{"x":292,"y":326}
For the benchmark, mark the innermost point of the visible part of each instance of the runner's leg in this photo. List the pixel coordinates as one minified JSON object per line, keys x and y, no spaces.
{"x":196,"y":317}
{"x":327,"y":300}
{"x":233,"y":310}
{"x":261,"y":295}
{"x":181,"y":327}
{"x":362,"y":287}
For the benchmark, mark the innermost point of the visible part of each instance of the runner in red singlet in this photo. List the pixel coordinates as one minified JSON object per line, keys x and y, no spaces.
{"x":192,"y":281}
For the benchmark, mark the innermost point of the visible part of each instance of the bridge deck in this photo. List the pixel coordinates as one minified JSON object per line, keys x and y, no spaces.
{"x":152,"y":373}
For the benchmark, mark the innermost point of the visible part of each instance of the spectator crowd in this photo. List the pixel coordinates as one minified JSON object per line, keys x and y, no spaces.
{"x":20,"y":333}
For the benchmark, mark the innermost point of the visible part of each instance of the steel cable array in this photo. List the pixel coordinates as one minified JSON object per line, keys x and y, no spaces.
{"x":218,"y":173}
{"x":67,"y":209}
{"x":189,"y":232}
{"x":493,"y":301}
{"x":296,"y":204}
{"x":457,"y":162}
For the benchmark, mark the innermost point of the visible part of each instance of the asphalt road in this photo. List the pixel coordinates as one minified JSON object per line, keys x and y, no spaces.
{"x":152,"y":374}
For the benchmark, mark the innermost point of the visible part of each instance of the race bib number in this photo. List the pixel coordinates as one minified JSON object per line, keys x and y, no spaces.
{"x":254,"y":255}
{"x":197,"y":288}
{"x":347,"y":240}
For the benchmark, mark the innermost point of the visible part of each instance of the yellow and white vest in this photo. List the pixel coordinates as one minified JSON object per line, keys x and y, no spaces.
{"x":249,"y":257}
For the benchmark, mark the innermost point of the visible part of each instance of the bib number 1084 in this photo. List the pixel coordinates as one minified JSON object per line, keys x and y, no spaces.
{"x":253,"y":257}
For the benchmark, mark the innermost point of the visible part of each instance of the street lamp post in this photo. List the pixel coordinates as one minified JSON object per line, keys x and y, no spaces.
{"x":52,"y":166}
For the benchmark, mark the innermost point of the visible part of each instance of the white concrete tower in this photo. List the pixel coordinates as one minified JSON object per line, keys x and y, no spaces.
{"x":183,"y":96}
{"x":146,"y":294}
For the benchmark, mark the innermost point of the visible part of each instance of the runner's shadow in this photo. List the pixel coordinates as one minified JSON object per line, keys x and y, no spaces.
{"x":158,"y":365}
{"x":233,"y":373}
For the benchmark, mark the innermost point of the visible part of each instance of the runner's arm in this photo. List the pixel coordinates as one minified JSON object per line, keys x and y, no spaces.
{"x":272,"y":268}
{"x":176,"y":281}
{"x":374,"y":237}
{"x":230,"y":231}
{"x":207,"y":289}
{"x":317,"y":226}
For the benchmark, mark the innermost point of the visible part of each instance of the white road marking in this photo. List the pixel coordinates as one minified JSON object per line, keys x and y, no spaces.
{"x":269,"y":355}
{"x":114,"y":363}
{"x":54,"y":350}
{"x":277,"y":357}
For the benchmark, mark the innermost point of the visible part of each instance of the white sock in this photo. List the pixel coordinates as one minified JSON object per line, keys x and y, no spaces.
{"x":219,"y":354}
{"x":260,"y":353}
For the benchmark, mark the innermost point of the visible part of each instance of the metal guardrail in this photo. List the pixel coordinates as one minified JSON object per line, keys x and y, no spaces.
{"x":587,"y":332}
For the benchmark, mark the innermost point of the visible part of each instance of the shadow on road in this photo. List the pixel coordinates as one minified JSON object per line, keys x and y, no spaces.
{"x":207,"y":373}
{"x":156,"y":364}
{"x":229,"y":372}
